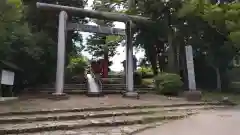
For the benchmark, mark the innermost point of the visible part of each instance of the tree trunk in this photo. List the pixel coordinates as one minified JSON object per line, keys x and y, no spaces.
{"x":105,"y":64}
{"x":153,"y":62}
{"x":171,"y":56}
{"x":1,"y":90}
{"x":158,"y":57}
{"x":177,"y":58}
{"x":159,"y":62}
{"x":152,"y":57}
{"x":219,"y":83}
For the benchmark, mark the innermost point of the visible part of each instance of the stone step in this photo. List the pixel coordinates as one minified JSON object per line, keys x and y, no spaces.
{"x":105,"y":85}
{"x":93,"y":122}
{"x":112,"y":108}
{"x":57,"y":120}
{"x":82,"y":90}
{"x":51,"y":89}
{"x":119,"y":130}
{"x":84,"y":86}
{"x":65,"y":85}
{"x":94,"y":114}
{"x":113,"y":78}
{"x":105,"y":91}
{"x":71,"y":91}
{"x":124,"y":88}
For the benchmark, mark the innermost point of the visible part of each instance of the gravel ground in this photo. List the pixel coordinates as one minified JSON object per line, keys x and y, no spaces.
{"x":218,"y":122}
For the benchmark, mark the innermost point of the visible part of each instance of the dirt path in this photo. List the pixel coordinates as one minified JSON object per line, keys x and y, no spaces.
{"x":224,"y":122}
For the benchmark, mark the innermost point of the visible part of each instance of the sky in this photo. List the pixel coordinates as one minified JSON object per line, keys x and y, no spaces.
{"x":120,"y":55}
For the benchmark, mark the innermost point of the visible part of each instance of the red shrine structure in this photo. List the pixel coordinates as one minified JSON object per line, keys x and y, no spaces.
{"x":100,"y":67}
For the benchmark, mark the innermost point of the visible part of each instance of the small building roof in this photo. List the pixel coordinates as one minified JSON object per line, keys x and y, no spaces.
{"x":9,"y":65}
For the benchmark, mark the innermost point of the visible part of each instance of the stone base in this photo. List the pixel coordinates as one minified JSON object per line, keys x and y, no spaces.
{"x":131,"y":95}
{"x":8,"y":99}
{"x":226,"y":101}
{"x":57,"y":96}
{"x":95,"y":94}
{"x":193,"y":95}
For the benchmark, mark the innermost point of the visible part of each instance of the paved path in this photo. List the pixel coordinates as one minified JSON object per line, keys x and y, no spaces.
{"x":41,"y":102}
{"x":223,"y":122}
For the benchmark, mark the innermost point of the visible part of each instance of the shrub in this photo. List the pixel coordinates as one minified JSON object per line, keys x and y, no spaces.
{"x":77,"y":65}
{"x":147,"y":82}
{"x":168,"y":83}
{"x":145,"y":72}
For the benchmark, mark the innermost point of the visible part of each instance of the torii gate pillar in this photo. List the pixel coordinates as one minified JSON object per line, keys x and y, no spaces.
{"x":129,"y":63}
{"x":62,"y":33}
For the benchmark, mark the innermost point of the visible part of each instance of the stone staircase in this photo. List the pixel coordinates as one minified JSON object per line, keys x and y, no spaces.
{"x":82,"y":88}
{"x":122,"y":120}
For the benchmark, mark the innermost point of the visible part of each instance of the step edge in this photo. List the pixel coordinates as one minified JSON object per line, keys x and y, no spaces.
{"x":106,"y":108}
{"x":143,"y":120}
{"x":100,"y":115}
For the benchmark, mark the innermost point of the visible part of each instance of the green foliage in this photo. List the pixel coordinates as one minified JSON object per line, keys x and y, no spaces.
{"x":102,"y":45}
{"x":77,"y":65}
{"x":97,"y":45}
{"x":223,"y":17}
{"x":146,"y":72}
{"x":217,"y":21}
{"x":11,"y":27}
{"x":148,"y":82}
{"x":167,"y":83}
{"x":43,"y":26}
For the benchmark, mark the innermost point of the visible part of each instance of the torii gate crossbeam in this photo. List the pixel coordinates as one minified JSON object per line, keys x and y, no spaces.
{"x":95,"y":14}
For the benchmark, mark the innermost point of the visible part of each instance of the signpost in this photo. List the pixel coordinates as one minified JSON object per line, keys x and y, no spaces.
{"x":190,"y":68}
{"x":7,"y":77}
{"x":95,"y":29}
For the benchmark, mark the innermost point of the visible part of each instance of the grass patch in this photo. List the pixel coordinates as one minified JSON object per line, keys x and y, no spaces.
{"x":218,"y":96}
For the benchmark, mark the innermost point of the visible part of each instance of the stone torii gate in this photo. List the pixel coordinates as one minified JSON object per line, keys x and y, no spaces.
{"x":128,"y":20}
{"x":64,"y":26}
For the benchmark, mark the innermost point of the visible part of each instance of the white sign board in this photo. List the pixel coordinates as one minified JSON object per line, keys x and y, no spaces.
{"x":95,"y":29}
{"x":7,"y":77}
{"x":190,"y":68}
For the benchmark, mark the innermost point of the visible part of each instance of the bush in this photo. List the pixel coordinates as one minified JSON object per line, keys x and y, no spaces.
{"x":145,"y":72}
{"x":77,"y":65}
{"x":147,"y":82}
{"x":168,"y":84}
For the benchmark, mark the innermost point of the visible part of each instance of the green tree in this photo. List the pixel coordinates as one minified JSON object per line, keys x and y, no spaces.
{"x":11,"y":26}
{"x":45,"y":25}
{"x":101,"y":45}
{"x":158,"y":39}
{"x":18,"y":44}
{"x":223,"y":23}
{"x":78,"y":65}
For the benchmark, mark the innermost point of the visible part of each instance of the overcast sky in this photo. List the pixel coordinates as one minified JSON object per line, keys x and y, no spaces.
{"x":120,"y":56}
